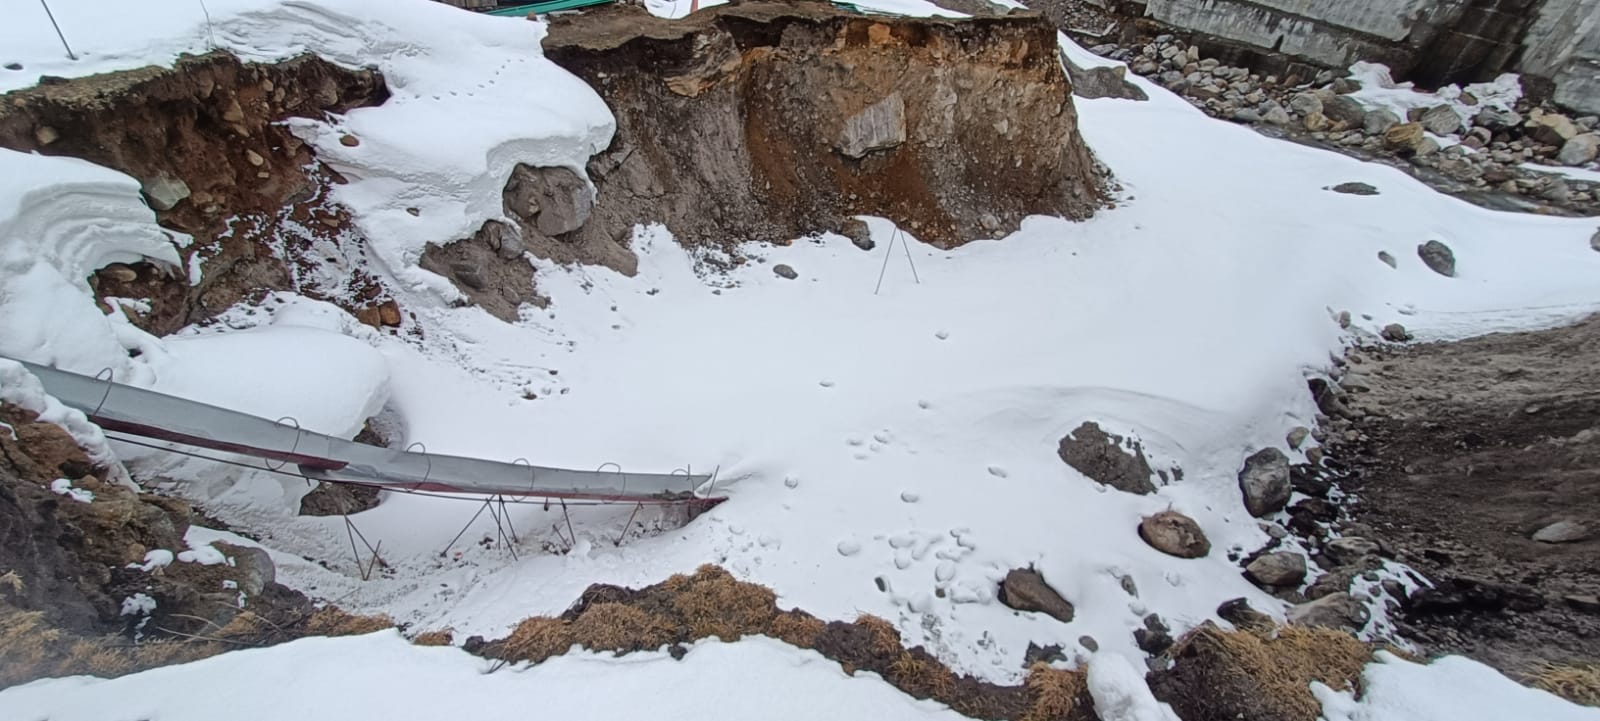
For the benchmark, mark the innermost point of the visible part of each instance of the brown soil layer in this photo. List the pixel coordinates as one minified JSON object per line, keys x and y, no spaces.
{"x":733,"y":123}
{"x":1461,"y":452}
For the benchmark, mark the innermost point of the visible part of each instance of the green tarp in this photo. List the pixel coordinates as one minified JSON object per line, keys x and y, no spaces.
{"x":544,"y":7}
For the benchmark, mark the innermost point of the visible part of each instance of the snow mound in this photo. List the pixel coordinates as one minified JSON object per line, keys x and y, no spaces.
{"x":381,"y":676}
{"x":1379,"y":90}
{"x":20,"y":388}
{"x":1452,"y":688}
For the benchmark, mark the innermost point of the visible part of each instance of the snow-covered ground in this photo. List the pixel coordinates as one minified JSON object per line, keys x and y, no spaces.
{"x":904,"y":440}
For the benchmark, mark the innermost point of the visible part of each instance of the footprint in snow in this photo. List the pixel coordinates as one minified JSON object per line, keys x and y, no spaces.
{"x":849,"y":548}
{"x":942,"y":335}
{"x":881,"y":437}
{"x":825,"y":384}
{"x":924,"y":405}
{"x":909,"y":497}
{"x":855,"y":440}
{"x":998,"y":472}
{"x":791,"y":481}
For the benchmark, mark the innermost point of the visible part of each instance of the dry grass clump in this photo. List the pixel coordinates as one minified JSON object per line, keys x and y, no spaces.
{"x":797,"y":629}
{"x":885,"y":639}
{"x":536,"y":639}
{"x":713,"y":603}
{"x":921,"y":676}
{"x":1053,"y":693}
{"x":438,"y":637}
{"x":1578,"y":683}
{"x":31,"y":649}
{"x":619,"y":627}
{"x":1283,"y":664}
{"x":334,"y":621}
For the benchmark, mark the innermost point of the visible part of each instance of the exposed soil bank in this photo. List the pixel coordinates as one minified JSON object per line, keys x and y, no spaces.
{"x":1461,"y":453}
{"x":773,"y":120}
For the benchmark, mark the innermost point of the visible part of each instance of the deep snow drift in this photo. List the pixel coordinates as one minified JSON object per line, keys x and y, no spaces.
{"x":903,"y":440}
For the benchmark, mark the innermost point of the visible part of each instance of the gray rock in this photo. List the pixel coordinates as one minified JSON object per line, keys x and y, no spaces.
{"x":1174,"y":534}
{"x":1389,"y":260}
{"x":1425,"y":147}
{"x":1343,"y":109}
{"x":1395,"y":333}
{"x":1441,"y":120}
{"x":1354,"y":189}
{"x":510,"y":248}
{"x":1345,"y":86}
{"x":1404,"y":137}
{"x":164,"y":192}
{"x":469,"y":275}
{"x":1277,"y":115}
{"x":552,"y":200}
{"x":880,"y":126}
{"x":1563,"y":532}
{"x":1335,"y":610}
{"x":859,"y":234}
{"x":1551,"y":129}
{"x":1297,"y":435}
{"x":1025,"y":589}
{"x":1103,"y":458}
{"x":1108,"y":81}
{"x":1315,"y":122}
{"x":1594,"y":242}
{"x":1580,"y":149}
{"x":1348,"y":550}
{"x":784,"y":271}
{"x":1264,"y":480}
{"x":1498,"y":118}
{"x":1438,"y":257}
{"x":338,"y":499}
{"x":1088,"y":643}
{"x":1377,"y":122}
{"x":254,"y":566}
{"x":1586,"y":604}
{"x":1305,"y":104}
{"x":1246,"y":115}
{"x":119,"y":272}
{"x":1280,"y":568}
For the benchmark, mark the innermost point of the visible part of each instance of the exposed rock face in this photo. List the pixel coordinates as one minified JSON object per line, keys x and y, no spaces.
{"x":1174,"y":534}
{"x":1264,"y":480}
{"x":479,"y":268}
{"x":205,"y":140}
{"x":1102,"y":457}
{"x":771,"y":121}
{"x":1025,"y":590}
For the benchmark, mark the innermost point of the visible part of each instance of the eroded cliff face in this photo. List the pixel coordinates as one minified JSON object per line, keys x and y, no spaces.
{"x":205,"y":141}
{"x":771,"y":121}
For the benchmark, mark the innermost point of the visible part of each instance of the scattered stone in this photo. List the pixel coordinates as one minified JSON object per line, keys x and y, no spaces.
{"x":46,"y":135}
{"x":1335,"y":610}
{"x":1563,"y":532}
{"x":1341,"y":109}
{"x":784,"y":271}
{"x":1594,"y":241}
{"x":349,"y":141}
{"x":1280,"y":568}
{"x":880,"y":126}
{"x":338,"y":499}
{"x":1102,"y":457}
{"x":1155,"y":638}
{"x":1239,"y":613}
{"x":1579,"y":150}
{"x":1384,"y":256}
{"x":1025,"y":589}
{"x":1297,"y":435}
{"x":1378,"y":122}
{"x":1316,"y":122}
{"x":1551,"y":129}
{"x":1106,"y":81}
{"x":1441,"y":120}
{"x":1247,"y":115}
{"x":1049,"y":653}
{"x":254,"y":157}
{"x":859,"y":234}
{"x":119,"y":272}
{"x":1438,"y":257}
{"x":1264,"y":480}
{"x":1497,"y":118}
{"x":1354,"y":189}
{"x":1395,"y":333}
{"x":1404,"y":137}
{"x":1088,"y":643}
{"x":1586,"y":604}
{"x":1349,"y":550}
{"x":1174,"y":534}
{"x":1276,"y":115}
{"x":163,"y":192}
{"x":1345,"y":86}
{"x":1305,"y":104}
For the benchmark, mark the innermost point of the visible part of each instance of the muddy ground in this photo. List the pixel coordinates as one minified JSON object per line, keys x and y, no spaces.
{"x":1462,"y":452}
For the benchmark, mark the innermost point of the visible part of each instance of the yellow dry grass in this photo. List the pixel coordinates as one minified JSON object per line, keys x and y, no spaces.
{"x":1578,"y":683}
{"x":1284,"y":663}
{"x":885,"y":639}
{"x":1053,"y":693}
{"x":31,"y":649}
{"x":536,"y":639}
{"x":439,"y":637}
{"x":921,"y":677}
{"x":333,"y":621}
{"x":796,"y":629}
{"x":714,"y":603}
{"x":619,"y":627}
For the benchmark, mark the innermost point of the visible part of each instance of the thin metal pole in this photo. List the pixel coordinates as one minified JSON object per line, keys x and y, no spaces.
{"x":59,"y":34}
{"x":463,"y":532}
{"x":907,"y":247}
{"x":209,"y":30}
{"x":886,"y":253}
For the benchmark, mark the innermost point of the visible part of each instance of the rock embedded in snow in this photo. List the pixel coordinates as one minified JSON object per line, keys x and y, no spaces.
{"x":1264,"y":480}
{"x":1174,"y":534}
{"x":1594,"y":241}
{"x":1563,"y":532}
{"x":1580,"y":149}
{"x":1280,"y":568}
{"x":1395,"y":333}
{"x":879,"y":126}
{"x":1102,"y":457}
{"x":784,"y":271}
{"x":1440,"y":120}
{"x":859,"y":233}
{"x":552,"y":200}
{"x":1388,"y":259}
{"x":1354,"y":189}
{"x":1438,"y":257}
{"x":1296,"y":436}
{"x":849,"y":548}
{"x":1025,"y":589}
{"x":1335,"y":610}
{"x":1103,"y":81}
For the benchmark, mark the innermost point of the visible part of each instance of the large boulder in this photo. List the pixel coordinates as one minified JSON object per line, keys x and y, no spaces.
{"x":1438,"y":257}
{"x":1335,"y":610}
{"x":1025,"y":589}
{"x":1174,"y":534}
{"x":1264,"y":480}
{"x":1551,"y":129}
{"x":1106,"y":81}
{"x":880,"y":126}
{"x":552,"y":200}
{"x":1441,"y":120}
{"x":1106,"y":458}
{"x":1378,"y":122}
{"x":1580,"y":149}
{"x":1495,"y":118}
{"x":1280,"y":568}
{"x":1405,"y":137}
{"x":1343,"y":109}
